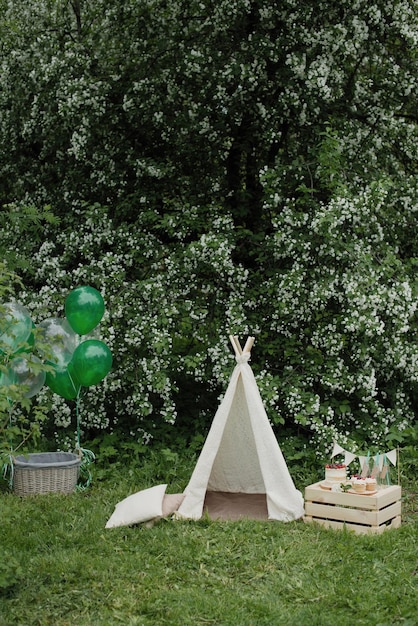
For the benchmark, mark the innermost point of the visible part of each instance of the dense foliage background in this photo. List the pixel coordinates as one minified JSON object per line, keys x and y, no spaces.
{"x":239,"y":166}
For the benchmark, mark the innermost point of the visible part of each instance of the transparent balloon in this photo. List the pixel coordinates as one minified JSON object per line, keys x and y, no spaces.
{"x":15,"y":327}
{"x":58,"y":340}
{"x":29,"y":344}
{"x":26,"y":372}
{"x":7,"y":377}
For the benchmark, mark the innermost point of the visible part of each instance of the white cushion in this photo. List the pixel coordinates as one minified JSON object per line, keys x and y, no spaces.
{"x":139,"y":507}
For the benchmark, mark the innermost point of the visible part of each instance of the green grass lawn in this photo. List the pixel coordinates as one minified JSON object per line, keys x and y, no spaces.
{"x":60,"y":567}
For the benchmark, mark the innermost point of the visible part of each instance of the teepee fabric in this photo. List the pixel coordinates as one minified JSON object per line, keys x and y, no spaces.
{"x":241,"y":454}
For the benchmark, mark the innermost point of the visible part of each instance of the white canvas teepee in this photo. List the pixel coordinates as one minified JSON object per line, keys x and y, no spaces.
{"x":241,"y":471}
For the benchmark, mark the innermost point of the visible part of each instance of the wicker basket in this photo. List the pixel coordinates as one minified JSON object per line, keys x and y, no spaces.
{"x":45,"y":472}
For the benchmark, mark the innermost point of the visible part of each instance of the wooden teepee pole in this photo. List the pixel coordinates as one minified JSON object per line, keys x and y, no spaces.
{"x":236,"y":344}
{"x":249,"y":344}
{"x":399,"y":465}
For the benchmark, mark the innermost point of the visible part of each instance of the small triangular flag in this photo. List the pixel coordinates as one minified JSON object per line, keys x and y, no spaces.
{"x":362,"y":461}
{"x":348,"y":457}
{"x":337,"y":450}
{"x":392,"y":456}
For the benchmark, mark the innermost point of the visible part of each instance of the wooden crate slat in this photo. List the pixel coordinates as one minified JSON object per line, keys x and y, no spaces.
{"x":383,"y":497}
{"x":325,"y":511}
{"x":344,"y":499}
{"x":358,"y":529}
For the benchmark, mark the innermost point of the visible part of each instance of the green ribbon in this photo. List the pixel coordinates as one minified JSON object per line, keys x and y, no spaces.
{"x":386,"y":464}
{"x":8,"y":465}
{"x":376,"y":462}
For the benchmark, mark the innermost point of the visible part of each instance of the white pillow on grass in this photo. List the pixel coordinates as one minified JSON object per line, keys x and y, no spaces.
{"x":139,"y":507}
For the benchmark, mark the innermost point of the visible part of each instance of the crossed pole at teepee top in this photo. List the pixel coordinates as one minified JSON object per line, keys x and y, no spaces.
{"x":237,"y":346}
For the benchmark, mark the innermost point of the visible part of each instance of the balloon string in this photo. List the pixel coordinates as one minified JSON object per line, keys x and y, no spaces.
{"x":77,"y":412}
{"x":8,"y":465}
{"x":87,"y":456}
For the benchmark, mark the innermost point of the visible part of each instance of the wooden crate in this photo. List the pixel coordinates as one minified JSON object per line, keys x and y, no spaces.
{"x":360,"y":513}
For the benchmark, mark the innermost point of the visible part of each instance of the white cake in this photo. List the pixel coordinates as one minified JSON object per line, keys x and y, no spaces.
{"x":336,"y":473}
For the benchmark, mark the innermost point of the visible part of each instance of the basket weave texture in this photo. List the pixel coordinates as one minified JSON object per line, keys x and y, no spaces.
{"x":45,"y":472}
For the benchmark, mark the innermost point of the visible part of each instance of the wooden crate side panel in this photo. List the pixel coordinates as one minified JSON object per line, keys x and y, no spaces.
{"x":388,"y":495}
{"x":326,"y":511}
{"x":358,"y":516}
{"x":359,"y":530}
{"x":395,"y":523}
{"x":389,"y":512}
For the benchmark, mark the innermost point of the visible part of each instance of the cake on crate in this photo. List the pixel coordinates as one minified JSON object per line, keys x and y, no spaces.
{"x":336,"y":472}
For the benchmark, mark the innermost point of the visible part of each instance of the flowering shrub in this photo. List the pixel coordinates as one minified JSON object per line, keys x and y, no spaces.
{"x":342,"y":307}
{"x":109,"y":103}
{"x":157,"y":310}
{"x":331,"y":305}
{"x":258,"y":163}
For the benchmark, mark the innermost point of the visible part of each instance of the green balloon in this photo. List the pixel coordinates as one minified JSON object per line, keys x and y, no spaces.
{"x":84,"y":308}
{"x":61,"y":382}
{"x":91,"y":362}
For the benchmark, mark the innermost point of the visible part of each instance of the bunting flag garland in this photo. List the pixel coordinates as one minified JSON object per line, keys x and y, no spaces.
{"x":376,"y":466}
{"x":365,"y":467}
{"x":350,"y":456}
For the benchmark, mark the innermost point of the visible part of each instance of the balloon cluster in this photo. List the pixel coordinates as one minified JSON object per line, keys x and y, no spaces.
{"x":75,"y":359}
